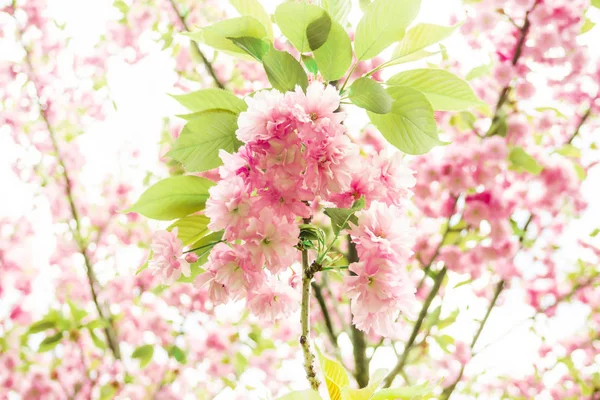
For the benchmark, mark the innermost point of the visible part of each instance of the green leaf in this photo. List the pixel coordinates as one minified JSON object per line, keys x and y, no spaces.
{"x":198,"y":145}
{"x":99,"y":343}
{"x":580,"y":171}
{"x":384,"y":23}
{"x":568,"y":150}
{"x":420,"y":37}
{"x":444,"y":341}
{"x":370,"y":95}
{"x":307,"y":394}
{"x":190,"y":228}
{"x":108,"y":392}
{"x":367,"y":392}
{"x":318,"y":31}
{"x":41,"y":326}
{"x":253,"y":8}
{"x":207,"y":99}
{"x":97,"y":323}
{"x":257,"y":48}
{"x":595,"y":232}
{"x":596,"y":3}
{"x":77,"y":313}
{"x":217,"y":35}
{"x":410,"y":126}
{"x":335,"y":56}
{"x":310,"y":64}
{"x":338,"y":9}
{"x":336,"y":377}
{"x":173,"y":197}
{"x":444,"y":90}
{"x":283,"y":71}
{"x":293,"y":19}
{"x":479,"y":71}
{"x":340,"y":218}
{"x":50,"y":342}
{"x":422,"y":391}
{"x":143,"y":353}
{"x":522,"y":161}
{"x":178,"y":354}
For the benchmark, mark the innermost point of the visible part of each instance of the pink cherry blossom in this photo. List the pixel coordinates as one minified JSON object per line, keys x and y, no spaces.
{"x":168,"y":260}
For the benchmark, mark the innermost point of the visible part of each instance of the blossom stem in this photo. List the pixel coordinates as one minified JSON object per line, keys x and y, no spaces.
{"x":334,"y":268}
{"x":207,"y":63}
{"x":348,"y":77}
{"x":413,"y":335}
{"x":309,"y":357}
{"x":203,"y":246}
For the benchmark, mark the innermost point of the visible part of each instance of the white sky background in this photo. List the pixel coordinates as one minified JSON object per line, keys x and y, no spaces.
{"x":139,"y":92}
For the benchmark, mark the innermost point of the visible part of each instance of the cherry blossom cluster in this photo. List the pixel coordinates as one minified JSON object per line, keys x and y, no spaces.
{"x":296,"y":156}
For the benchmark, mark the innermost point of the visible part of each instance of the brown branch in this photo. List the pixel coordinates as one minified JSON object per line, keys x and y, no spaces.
{"x":109,"y":331}
{"x":413,"y":335}
{"x":323,"y":306}
{"x":359,"y":341}
{"x":450,"y":389}
{"x":524,"y":30}
{"x":207,"y":63}
{"x":584,"y":118}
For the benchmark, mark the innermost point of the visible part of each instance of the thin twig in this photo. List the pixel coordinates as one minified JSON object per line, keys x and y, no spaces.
{"x":413,"y":335}
{"x":207,"y":63}
{"x":524,"y":30}
{"x":359,"y":340}
{"x":450,"y":389}
{"x":328,"y":324}
{"x":584,"y":118}
{"x":109,"y":331}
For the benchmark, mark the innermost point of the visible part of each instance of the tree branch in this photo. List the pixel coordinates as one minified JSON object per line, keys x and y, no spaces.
{"x":109,"y":331}
{"x":359,"y":341}
{"x":450,"y":389}
{"x":207,"y":63}
{"x":309,"y":357}
{"x":328,"y":324}
{"x":584,"y":118}
{"x":524,"y":30}
{"x":413,"y":335}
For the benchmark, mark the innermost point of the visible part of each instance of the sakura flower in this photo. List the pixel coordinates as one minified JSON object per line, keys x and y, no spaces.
{"x":267,"y":117}
{"x":273,"y":238}
{"x":274,"y":301}
{"x":228,"y":204}
{"x":234,"y":268}
{"x":168,"y":259}
{"x":383,"y":230}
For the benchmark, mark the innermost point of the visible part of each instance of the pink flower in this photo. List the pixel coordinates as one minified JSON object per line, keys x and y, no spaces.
{"x":273,"y":238}
{"x":228,"y":205}
{"x":315,"y":110}
{"x":395,"y":178}
{"x":383,"y":230}
{"x":235,"y":269}
{"x":274,"y":301}
{"x":168,"y":259}
{"x":330,"y":164}
{"x":266,"y":117}
{"x":379,"y":292}
{"x":525,"y":90}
